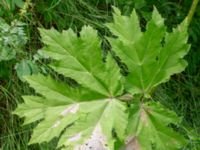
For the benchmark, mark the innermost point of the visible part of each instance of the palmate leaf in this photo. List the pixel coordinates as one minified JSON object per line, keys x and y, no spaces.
{"x":89,"y":113}
{"x":151,"y":56}
{"x":95,"y":115}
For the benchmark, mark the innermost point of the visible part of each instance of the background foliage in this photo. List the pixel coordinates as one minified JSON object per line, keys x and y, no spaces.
{"x":181,"y":94}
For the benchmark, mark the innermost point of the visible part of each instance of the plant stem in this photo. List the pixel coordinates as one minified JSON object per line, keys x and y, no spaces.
{"x":192,"y":10}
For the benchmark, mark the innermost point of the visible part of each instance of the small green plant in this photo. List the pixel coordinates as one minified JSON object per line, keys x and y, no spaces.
{"x":12,"y":39}
{"x":12,"y":44}
{"x":108,"y":111}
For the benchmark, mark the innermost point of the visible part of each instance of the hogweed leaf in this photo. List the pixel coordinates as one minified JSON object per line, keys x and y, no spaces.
{"x":94,"y":115}
{"x":149,"y":129}
{"x":79,"y":58}
{"x":89,"y":110}
{"x":151,"y":56}
{"x":97,"y":133}
{"x":60,"y":106}
{"x":31,"y":109}
{"x":122,"y":25}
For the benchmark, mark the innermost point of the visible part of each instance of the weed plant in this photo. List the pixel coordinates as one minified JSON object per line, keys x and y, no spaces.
{"x":181,"y":94}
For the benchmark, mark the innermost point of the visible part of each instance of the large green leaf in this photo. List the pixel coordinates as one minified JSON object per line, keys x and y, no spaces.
{"x":103,"y":117}
{"x":81,"y":59}
{"x":151,"y":56}
{"x":148,"y":128}
{"x":94,"y":115}
{"x":90,"y":112}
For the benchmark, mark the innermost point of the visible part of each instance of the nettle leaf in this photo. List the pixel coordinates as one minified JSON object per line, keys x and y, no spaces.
{"x":89,"y":113}
{"x":151,"y":56}
{"x":148,"y":128}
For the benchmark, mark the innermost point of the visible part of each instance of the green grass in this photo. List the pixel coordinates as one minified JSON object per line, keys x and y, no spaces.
{"x":181,"y":94}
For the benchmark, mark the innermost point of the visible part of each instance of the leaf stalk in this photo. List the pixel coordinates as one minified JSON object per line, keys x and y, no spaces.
{"x":192,"y":11}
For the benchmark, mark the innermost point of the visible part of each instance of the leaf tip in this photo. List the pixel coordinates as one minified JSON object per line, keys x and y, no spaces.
{"x":156,"y":17}
{"x":116,"y":10}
